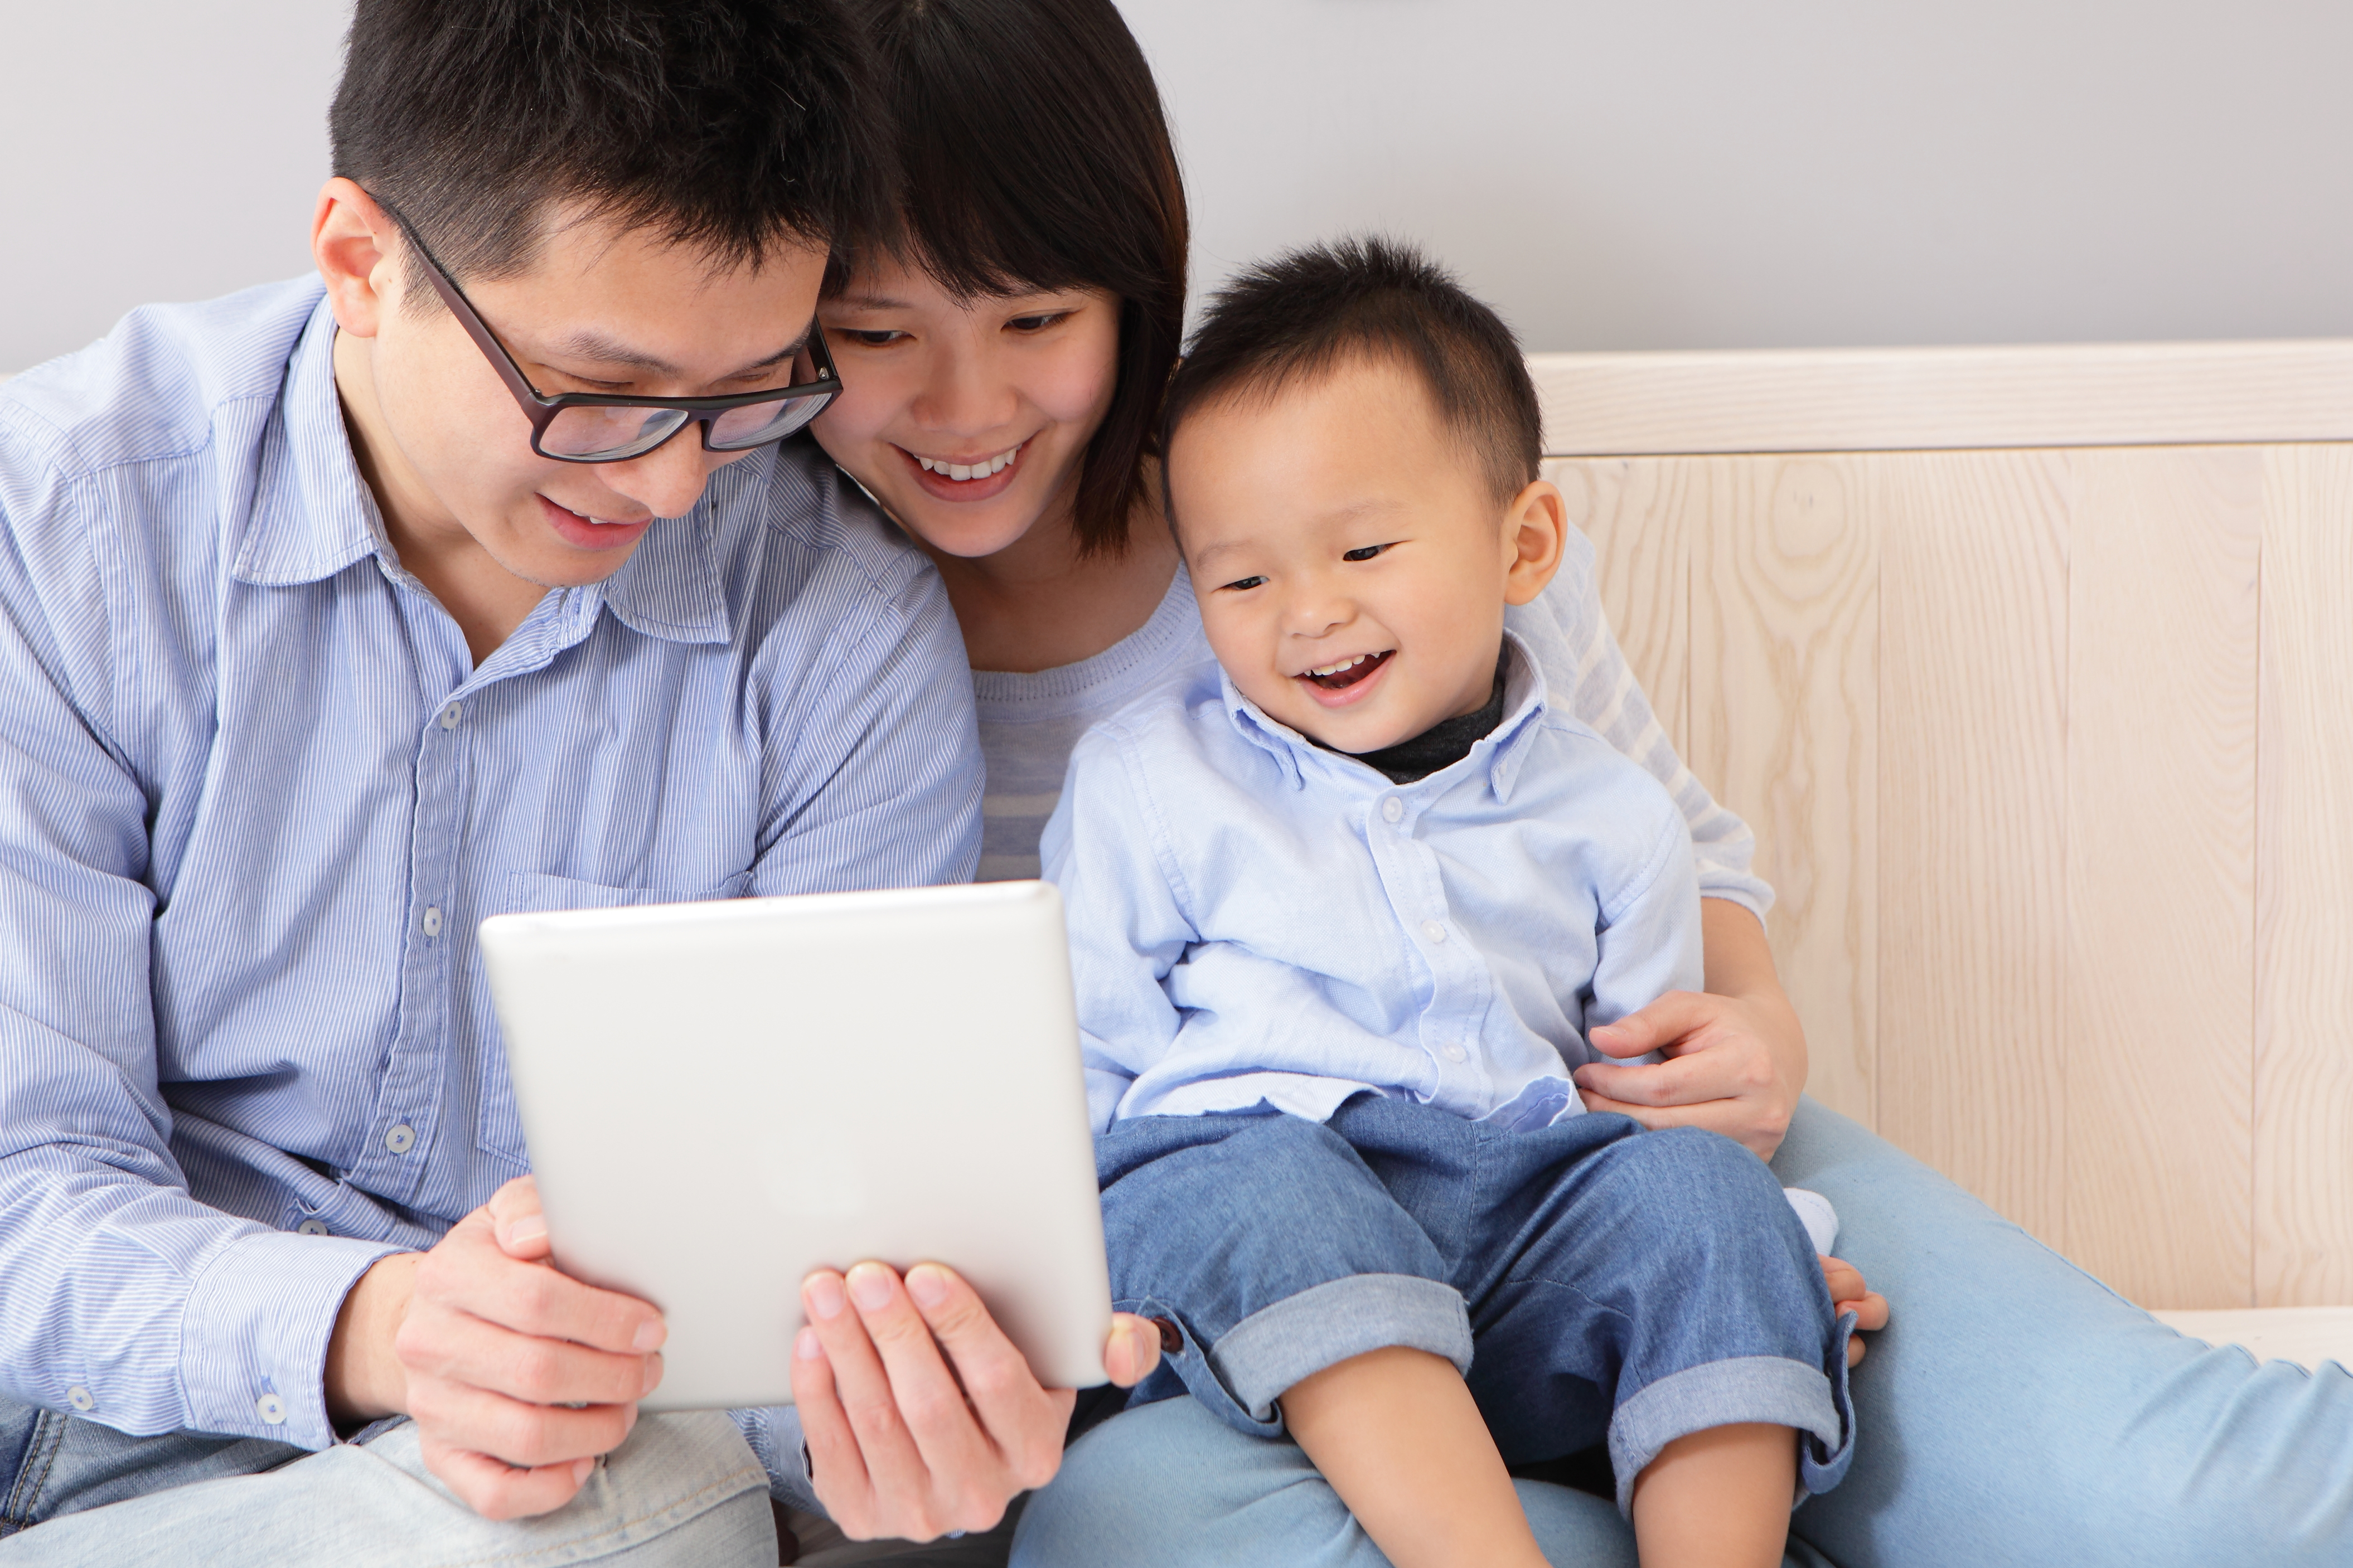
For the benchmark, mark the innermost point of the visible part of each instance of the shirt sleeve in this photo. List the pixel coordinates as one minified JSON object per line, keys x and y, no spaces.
{"x":1649,"y":943}
{"x":122,"y":1297}
{"x":1584,"y":669}
{"x":1103,"y":847}
{"x":880,"y":786}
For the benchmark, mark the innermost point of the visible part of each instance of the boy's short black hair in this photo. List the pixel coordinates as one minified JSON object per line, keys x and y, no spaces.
{"x":1035,"y":156}
{"x":1297,"y":317}
{"x":728,"y":125}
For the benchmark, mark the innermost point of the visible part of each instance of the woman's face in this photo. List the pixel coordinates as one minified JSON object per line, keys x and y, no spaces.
{"x":967,"y":418}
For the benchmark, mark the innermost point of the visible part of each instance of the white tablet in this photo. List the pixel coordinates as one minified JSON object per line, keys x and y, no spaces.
{"x":721,"y":1097}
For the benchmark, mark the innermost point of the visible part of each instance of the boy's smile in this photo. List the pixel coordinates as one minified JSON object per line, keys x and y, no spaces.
{"x":1351,"y":557}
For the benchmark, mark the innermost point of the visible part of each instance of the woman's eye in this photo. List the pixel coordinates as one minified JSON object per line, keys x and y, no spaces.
{"x":1037,"y":323}
{"x":1245,"y":582}
{"x":1364,"y":553}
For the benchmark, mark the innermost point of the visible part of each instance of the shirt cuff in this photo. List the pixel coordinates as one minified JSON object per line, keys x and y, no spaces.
{"x":253,"y":1339}
{"x":1751,"y":893}
{"x":775,"y":1434}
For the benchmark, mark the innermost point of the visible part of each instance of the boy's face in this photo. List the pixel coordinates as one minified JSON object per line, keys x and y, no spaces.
{"x":443,"y":444}
{"x":1351,"y":559}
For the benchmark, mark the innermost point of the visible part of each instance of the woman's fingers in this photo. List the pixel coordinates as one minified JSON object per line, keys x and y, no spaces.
{"x":1663,"y":1022}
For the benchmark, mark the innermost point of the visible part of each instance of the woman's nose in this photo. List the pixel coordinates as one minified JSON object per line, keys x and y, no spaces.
{"x":961,"y":393}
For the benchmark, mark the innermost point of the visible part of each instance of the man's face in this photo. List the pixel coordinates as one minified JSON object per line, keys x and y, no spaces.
{"x":599,"y":310}
{"x":1340,"y":527}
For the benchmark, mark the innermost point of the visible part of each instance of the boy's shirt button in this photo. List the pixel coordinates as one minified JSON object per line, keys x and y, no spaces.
{"x":1434,"y":929}
{"x":1454,"y":1052}
{"x":1392,"y":809}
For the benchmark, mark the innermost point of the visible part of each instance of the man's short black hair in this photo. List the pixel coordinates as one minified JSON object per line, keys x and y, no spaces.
{"x":1298,"y":317}
{"x":1035,"y":156}
{"x":727,"y":125}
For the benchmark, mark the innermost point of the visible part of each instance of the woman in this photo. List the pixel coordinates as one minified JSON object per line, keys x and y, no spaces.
{"x":1002,"y":363}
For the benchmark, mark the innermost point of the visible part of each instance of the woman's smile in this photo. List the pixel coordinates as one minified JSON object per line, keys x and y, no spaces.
{"x":977,"y":479}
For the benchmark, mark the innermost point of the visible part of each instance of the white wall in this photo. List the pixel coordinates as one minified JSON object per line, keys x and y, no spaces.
{"x":1640,"y":174}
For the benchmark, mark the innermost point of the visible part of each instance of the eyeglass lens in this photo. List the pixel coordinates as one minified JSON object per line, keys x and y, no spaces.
{"x":608,"y":431}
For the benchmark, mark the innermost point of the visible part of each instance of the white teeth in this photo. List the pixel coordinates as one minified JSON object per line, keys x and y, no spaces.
{"x":1344,"y":664}
{"x":980,"y":470}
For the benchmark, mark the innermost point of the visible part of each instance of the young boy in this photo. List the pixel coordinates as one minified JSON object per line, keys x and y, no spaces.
{"x":1343,"y":912}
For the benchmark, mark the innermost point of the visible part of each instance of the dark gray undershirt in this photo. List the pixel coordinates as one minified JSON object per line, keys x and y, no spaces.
{"x":1444,"y":743}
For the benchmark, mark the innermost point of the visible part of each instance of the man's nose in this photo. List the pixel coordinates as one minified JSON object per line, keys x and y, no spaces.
{"x":668,"y":480}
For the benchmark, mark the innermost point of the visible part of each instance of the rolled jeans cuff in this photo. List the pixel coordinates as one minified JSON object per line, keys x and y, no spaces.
{"x":1775,"y":1390}
{"x":1275,"y":1347}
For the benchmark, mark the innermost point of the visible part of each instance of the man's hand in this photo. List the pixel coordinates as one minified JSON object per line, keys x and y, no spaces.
{"x":1849,"y":1294}
{"x":1721,"y":1069}
{"x":920,"y":1415}
{"x":490,"y":1347}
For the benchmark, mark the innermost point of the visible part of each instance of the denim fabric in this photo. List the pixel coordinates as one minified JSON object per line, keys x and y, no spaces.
{"x":1597,"y":1283}
{"x":682,"y":1489}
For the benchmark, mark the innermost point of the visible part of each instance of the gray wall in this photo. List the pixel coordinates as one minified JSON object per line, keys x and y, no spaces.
{"x":1643,"y":173}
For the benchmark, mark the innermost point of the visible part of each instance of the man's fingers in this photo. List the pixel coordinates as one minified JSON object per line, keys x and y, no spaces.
{"x":932,"y":1402}
{"x":500,"y":1491}
{"x":893,"y":1466}
{"x":837,"y":1468}
{"x":459,"y":1348}
{"x":1133,"y":1351}
{"x":1025,"y":1421}
{"x":515,"y":1220}
{"x":528,"y":1437}
{"x":469,"y":1273}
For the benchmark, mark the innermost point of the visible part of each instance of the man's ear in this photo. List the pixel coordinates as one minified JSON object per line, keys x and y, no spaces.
{"x":352,"y":241}
{"x":1535,"y":532}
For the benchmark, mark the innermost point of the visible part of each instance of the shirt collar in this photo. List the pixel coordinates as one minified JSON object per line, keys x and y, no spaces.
{"x":313,"y":515}
{"x":1501,"y":754}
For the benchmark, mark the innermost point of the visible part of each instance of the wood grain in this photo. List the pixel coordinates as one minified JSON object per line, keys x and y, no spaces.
{"x":1638,"y":516}
{"x":2161,"y":631}
{"x":1855,"y":399}
{"x":2304,"y":987}
{"x":1973,"y":554}
{"x":1784,"y":705}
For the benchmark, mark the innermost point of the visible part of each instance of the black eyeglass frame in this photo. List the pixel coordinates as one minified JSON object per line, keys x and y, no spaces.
{"x":542,"y":410}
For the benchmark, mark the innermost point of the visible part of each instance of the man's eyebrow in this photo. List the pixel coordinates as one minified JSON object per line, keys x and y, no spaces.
{"x":591,"y":344}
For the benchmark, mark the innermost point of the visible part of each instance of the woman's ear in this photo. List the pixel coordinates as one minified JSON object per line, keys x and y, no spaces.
{"x":351,"y":241}
{"x":1535,"y":532}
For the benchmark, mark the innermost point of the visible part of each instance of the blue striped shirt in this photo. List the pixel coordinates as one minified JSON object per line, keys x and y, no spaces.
{"x":255,"y":795}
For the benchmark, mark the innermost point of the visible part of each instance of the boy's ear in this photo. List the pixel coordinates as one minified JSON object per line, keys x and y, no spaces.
{"x":1535,"y":532}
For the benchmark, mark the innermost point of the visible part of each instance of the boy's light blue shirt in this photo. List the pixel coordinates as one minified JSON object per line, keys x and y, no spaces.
{"x":1254,"y":919}
{"x":254,"y":797}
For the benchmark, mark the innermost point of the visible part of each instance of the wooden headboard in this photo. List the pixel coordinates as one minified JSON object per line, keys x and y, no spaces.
{"x":2033,"y":670}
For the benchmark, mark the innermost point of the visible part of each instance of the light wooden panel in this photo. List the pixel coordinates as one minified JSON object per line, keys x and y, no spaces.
{"x":1639,"y":516}
{"x":1784,"y":709}
{"x":2162,"y":552}
{"x":1854,"y":400}
{"x":2304,"y":1015}
{"x":1972,"y":808}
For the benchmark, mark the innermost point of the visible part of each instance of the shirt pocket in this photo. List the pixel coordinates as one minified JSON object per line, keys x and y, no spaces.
{"x":537,"y":892}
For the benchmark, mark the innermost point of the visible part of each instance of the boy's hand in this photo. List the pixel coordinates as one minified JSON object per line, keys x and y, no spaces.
{"x":919,"y":1415}
{"x":1849,"y":1294}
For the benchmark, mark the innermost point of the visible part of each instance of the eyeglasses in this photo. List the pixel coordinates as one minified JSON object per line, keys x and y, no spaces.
{"x":597,"y":428}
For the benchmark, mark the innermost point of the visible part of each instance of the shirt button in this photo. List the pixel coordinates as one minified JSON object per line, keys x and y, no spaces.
{"x":312,"y":1227}
{"x":1454,"y":1052}
{"x":272,"y":1408}
{"x":451,"y":715}
{"x":433,"y":922}
{"x":78,"y":1397}
{"x":401,"y":1139}
{"x":1434,"y":929}
{"x":1392,"y":809}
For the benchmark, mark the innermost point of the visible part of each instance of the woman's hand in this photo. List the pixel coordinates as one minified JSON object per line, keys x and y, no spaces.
{"x":1735,"y":1054}
{"x":920,"y":1417}
{"x":1849,"y":1294}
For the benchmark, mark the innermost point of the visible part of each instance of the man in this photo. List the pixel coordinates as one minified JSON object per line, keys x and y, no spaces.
{"x":333,"y":621}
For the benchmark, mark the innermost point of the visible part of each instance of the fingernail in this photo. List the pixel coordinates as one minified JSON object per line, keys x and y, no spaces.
{"x":523,"y":1232}
{"x":870,"y":1285}
{"x":580,"y":1468}
{"x":650,"y":1335}
{"x":823,"y":1294}
{"x":807,"y":1346}
{"x":927,"y":1285}
{"x":653,"y":1375}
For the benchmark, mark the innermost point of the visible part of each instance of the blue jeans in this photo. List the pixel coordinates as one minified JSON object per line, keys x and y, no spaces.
{"x":2017,"y":1410}
{"x":1616,"y":1285}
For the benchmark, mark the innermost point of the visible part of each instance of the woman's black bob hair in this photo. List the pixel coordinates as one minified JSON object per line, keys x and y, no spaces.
{"x":1033,"y":155}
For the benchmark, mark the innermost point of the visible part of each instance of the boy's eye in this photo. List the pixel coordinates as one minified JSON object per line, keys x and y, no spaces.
{"x":1245,"y":582}
{"x":1364,"y":553}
